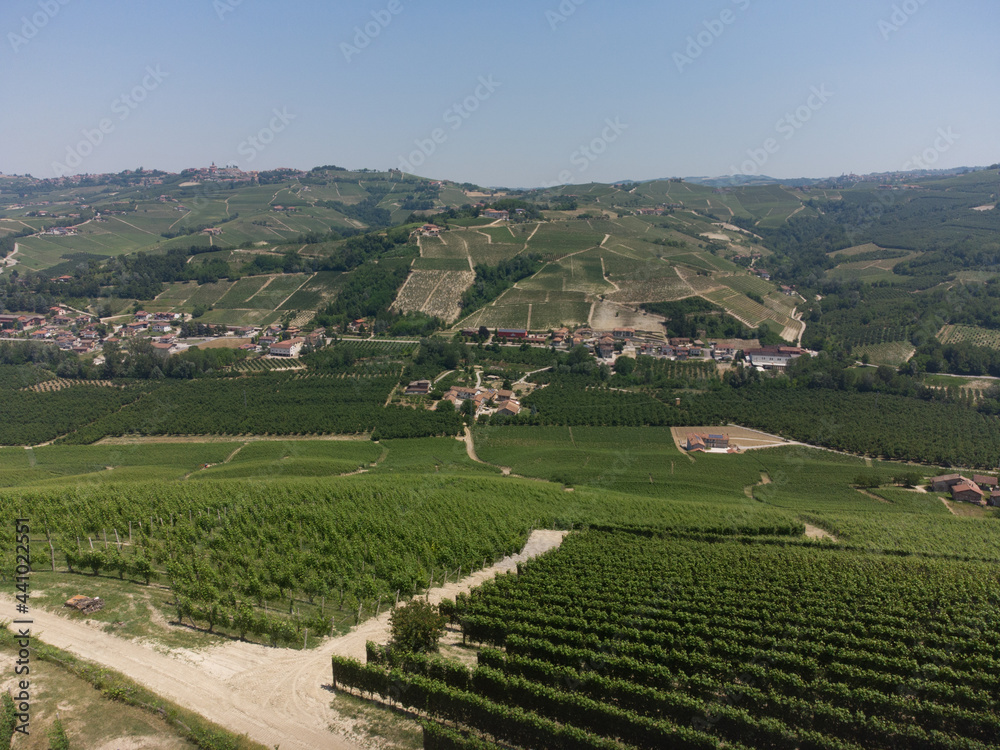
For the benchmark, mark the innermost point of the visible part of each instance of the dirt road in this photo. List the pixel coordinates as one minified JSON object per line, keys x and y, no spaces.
{"x":276,"y":696}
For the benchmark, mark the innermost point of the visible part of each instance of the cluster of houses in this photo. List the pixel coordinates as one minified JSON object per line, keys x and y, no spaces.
{"x":605,"y":344}
{"x":485,"y":400}
{"x":69,"y":331}
{"x":980,"y":490}
{"x":80,"y":333}
{"x":663,"y":208}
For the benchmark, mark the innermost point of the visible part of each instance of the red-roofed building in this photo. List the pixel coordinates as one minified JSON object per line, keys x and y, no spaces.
{"x":696,"y":442}
{"x":945,"y":482}
{"x":967,"y":492}
{"x":509,"y":409}
{"x":289,"y":348}
{"x":985,"y":481}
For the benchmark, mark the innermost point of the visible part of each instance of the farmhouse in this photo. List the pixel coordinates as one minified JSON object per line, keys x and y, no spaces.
{"x":994,"y":500}
{"x":316,"y":337}
{"x":623,"y":333}
{"x":418,"y":388}
{"x":695,"y":442}
{"x":772,"y":357}
{"x":987,"y":482}
{"x":289,"y":348}
{"x":512,"y":333}
{"x":492,"y":213}
{"x":509,"y":409}
{"x":8,"y":322}
{"x":945,"y":482}
{"x":504,"y":395}
{"x":967,"y":492}
{"x":700,"y":442}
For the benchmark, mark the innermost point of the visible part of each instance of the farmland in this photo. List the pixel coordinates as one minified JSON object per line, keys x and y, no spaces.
{"x":408,"y":520}
{"x":435,"y":293}
{"x":960,"y":334}
{"x":893,"y":354}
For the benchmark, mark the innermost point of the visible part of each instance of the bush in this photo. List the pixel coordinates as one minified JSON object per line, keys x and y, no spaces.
{"x":57,"y":736}
{"x":416,"y":627}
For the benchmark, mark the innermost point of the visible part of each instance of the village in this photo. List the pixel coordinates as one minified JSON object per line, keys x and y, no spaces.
{"x":173,"y":332}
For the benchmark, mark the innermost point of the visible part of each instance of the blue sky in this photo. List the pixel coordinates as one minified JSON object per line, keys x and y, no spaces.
{"x":787,"y":88}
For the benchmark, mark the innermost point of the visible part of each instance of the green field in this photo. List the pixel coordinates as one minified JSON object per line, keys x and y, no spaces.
{"x":893,"y":354}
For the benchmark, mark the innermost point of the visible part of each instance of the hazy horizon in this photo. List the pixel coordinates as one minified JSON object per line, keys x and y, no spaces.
{"x":529,"y":95}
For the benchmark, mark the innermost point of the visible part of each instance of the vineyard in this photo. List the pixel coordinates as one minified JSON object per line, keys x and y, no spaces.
{"x":746,"y":309}
{"x":58,"y":384}
{"x":259,"y":557}
{"x":974,"y":335}
{"x":872,"y":335}
{"x":629,"y":640}
{"x":274,"y":403}
{"x":893,"y":354}
{"x":263,"y":364}
{"x":435,"y":293}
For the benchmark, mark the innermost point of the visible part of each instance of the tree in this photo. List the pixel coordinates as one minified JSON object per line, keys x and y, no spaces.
{"x":624,"y":365}
{"x":416,"y":627}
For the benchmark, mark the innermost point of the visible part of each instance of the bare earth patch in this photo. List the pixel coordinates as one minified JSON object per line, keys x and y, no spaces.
{"x":815,"y":532}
